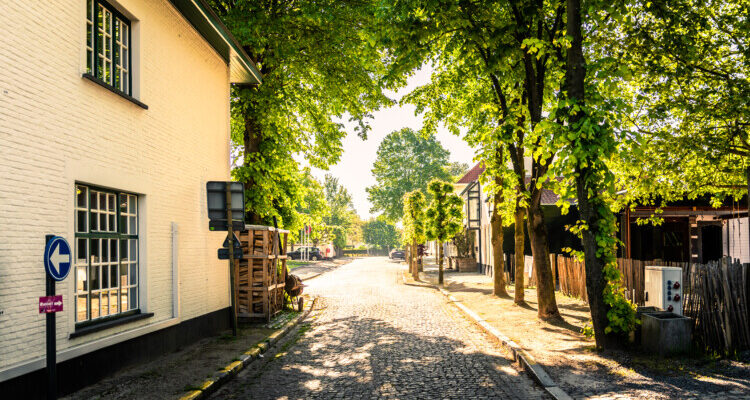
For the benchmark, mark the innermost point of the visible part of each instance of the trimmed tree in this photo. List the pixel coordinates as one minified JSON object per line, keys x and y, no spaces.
{"x":414,"y":227}
{"x":444,"y":217}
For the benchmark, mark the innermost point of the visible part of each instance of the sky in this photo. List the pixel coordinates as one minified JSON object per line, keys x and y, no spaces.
{"x":354,"y":168}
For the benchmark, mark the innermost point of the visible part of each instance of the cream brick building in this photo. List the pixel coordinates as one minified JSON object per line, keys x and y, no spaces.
{"x":107,"y":138}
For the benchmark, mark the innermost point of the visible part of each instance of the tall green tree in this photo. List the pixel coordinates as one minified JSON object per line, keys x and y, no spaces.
{"x":341,"y":217}
{"x":414,"y":227}
{"x":380,"y":233}
{"x":498,"y":65}
{"x":311,"y":210}
{"x":586,"y":147}
{"x":406,"y":161}
{"x":444,"y":217}
{"x":317,"y":67}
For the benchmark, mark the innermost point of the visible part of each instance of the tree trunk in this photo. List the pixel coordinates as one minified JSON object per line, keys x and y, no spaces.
{"x":440,"y":262}
{"x":413,"y":260}
{"x":575,"y":76}
{"x":595,"y":281}
{"x":497,"y":245}
{"x":545,"y":286}
{"x":419,"y":259}
{"x":519,"y":249}
{"x":251,"y":137}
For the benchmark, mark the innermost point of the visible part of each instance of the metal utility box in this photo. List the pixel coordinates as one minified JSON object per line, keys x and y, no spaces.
{"x":664,"y":288}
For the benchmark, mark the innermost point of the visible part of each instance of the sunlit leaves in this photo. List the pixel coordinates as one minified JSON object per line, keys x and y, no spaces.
{"x":406,"y":161}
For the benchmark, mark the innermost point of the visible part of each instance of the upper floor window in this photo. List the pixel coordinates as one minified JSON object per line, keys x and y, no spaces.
{"x":108,"y":45}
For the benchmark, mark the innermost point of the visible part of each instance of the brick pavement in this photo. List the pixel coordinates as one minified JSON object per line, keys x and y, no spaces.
{"x":378,"y":338}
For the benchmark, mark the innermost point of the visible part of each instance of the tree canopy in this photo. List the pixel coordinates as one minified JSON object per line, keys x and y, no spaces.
{"x":688,"y":97}
{"x":380,"y":233}
{"x":341,"y":217}
{"x":317,"y":67}
{"x":406,"y":161}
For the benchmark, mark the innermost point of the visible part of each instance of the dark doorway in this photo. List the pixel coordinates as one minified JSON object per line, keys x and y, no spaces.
{"x":710,"y":243}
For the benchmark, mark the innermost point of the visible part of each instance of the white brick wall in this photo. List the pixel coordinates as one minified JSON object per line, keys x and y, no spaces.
{"x":735,"y":237}
{"x":57,"y":128}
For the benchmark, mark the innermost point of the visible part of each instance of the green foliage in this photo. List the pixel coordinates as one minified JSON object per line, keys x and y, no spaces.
{"x":406,"y":161}
{"x":380,"y":233}
{"x":318,"y":67}
{"x":310,"y":210}
{"x":444,"y":217}
{"x":687,"y":94}
{"x":341,"y":218}
{"x":456,"y":170}
{"x":464,"y":242}
{"x":414,"y":218}
{"x":499,"y":77}
{"x":587,"y":330}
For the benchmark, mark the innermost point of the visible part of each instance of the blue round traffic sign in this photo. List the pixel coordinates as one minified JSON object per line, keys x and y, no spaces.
{"x":57,"y":258}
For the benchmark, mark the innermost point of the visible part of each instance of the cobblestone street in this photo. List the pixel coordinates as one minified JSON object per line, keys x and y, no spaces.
{"x":378,"y":338}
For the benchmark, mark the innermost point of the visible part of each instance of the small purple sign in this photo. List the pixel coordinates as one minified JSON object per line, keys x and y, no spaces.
{"x":50,"y":304}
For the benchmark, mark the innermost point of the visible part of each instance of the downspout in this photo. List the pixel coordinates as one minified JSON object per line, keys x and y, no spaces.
{"x":479,"y":215}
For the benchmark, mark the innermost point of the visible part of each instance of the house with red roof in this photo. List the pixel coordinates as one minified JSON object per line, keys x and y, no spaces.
{"x":478,"y":211}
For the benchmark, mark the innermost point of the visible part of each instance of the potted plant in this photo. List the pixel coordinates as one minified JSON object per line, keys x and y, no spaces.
{"x":464,"y":261}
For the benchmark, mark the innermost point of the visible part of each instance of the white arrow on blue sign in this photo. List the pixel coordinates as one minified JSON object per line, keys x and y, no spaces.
{"x":57,"y":258}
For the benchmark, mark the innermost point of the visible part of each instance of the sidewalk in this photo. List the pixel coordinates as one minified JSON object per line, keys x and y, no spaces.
{"x":173,"y":375}
{"x":315,"y":268}
{"x":570,"y":359}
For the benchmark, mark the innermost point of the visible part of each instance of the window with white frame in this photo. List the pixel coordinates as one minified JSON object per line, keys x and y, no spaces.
{"x":108,"y":45}
{"x":106,"y":248}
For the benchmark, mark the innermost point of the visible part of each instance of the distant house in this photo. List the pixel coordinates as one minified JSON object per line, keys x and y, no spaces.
{"x":114,"y":115}
{"x":478,"y":211}
{"x":692,"y":230}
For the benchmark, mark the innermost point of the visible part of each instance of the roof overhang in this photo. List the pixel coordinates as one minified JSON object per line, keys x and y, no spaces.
{"x":241,"y":68}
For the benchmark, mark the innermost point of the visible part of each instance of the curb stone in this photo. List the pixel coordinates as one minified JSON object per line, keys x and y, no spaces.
{"x":230,"y":371}
{"x":529,"y":364}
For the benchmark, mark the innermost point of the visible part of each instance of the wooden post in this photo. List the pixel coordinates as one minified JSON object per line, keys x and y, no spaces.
{"x":748,"y":203}
{"x":230,"y":236}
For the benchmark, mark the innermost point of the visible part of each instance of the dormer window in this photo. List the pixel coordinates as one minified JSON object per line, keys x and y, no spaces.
{"x":108,"y":45}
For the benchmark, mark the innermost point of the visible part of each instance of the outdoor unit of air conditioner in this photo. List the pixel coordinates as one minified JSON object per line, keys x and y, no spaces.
{"x":664,"y":288}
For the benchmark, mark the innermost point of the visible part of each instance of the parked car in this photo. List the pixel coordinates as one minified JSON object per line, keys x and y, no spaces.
{"x":313,"y":254}
{"x":397,"y":254}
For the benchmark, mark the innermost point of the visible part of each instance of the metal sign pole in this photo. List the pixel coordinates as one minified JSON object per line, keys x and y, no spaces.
{"x":51,"y":342}
{"x":230,"y":237}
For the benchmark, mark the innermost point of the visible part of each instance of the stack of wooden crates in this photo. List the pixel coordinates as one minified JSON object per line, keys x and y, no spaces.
{"x":259,"y":275}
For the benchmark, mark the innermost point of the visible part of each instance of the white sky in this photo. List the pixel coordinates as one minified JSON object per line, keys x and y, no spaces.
{"x":354,"y":168}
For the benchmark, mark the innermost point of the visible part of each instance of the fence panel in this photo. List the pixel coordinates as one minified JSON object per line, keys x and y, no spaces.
{"x":716,"y":295}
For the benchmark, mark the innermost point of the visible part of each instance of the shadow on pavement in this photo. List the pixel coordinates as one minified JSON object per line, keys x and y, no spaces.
{"x":371,"y":358}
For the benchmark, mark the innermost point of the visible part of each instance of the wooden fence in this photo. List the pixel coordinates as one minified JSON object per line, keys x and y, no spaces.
{"x":716,"y":295}
{"x":719,"y":301}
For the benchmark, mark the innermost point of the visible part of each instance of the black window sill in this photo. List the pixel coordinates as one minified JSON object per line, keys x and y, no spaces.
{"x":110,"y":323}
{"x":114,"y":90}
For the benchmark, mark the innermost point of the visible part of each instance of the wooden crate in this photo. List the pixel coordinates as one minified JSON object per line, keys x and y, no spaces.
{"x":259,"y":275}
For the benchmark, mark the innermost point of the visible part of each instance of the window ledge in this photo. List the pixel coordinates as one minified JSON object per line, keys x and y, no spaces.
{"x":109,"y":324}
{"x":116,"y":91}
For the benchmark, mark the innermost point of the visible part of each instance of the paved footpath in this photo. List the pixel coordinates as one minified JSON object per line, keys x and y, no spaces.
{"x":379,"y":338}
